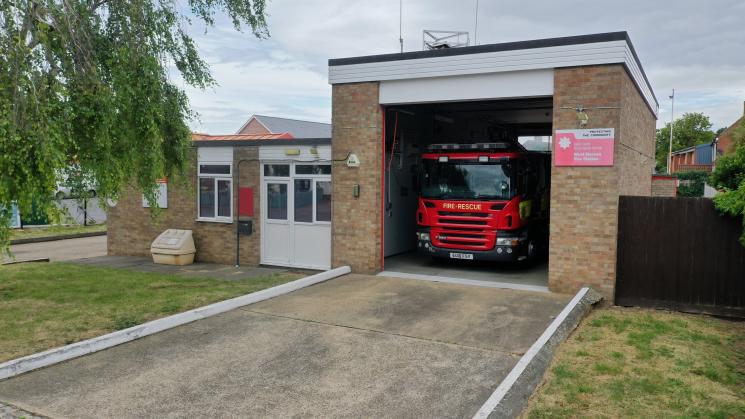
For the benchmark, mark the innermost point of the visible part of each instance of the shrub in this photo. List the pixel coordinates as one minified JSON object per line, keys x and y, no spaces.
{"x":692,"y":184}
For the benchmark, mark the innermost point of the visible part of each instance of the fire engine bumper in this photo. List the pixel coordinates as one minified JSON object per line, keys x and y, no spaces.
{"x":500,"y":253}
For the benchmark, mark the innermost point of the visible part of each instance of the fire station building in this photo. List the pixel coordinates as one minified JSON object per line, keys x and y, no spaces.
{"x":354,"y":198}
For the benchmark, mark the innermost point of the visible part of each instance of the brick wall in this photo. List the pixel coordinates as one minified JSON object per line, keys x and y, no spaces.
{"x":635,"y":142}
{"x":131,"y":229}
{"x":584,"y":200}
{"x":664,"y":186}
{"x":254,"y":127}
{"x":356,"y":120}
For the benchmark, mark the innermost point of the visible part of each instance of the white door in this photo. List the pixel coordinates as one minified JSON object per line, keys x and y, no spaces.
{"x":276,"y":231}
{"x":296,"y":215}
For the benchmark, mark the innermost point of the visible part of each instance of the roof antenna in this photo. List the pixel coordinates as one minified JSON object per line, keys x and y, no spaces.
{"x":476,"y":26}
{"x":400,"y":24}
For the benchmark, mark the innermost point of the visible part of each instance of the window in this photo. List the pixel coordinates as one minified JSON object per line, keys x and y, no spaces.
{"x":276,"y":201}
{"x":300,"y":193}
{"x":468,"y":179}
{"x":277,"y":170}
{"x":309,"y":206}
{"x":214,"y":169}
{"x":215,"y":192}
{"x":313,"y":169}
{"x":223,"y":198}
{"x":303,"y":201}
{"x":206,"y":198}
{"x":323,"y":201}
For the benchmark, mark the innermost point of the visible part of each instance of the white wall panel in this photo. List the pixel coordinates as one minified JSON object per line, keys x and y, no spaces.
{"x":276,"y":152}
{"x":215,"y":154}
{"x":468,"y":87}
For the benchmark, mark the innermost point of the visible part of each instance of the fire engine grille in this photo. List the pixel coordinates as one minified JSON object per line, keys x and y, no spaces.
{"x":460,"y":239}
{"x":464,"y":214}
{"x":462,"y":219}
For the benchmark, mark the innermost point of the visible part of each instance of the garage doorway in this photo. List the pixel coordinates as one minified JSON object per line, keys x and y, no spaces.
{"x":416,"y":136}
{"x":296,"y":214}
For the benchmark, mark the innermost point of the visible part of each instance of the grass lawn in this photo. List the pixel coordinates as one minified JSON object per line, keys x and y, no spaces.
{"x":34,"y":232}
{"x":645,"y":363}
{"x":44,"y":305}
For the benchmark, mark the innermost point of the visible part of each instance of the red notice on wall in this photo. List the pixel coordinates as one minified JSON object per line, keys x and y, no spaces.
{"x":584,"y":147}
{"x":246,"y":207}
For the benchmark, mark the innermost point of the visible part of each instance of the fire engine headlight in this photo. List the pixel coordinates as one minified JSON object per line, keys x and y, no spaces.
{"x":422,"y":236}
{"x":508,"y":241}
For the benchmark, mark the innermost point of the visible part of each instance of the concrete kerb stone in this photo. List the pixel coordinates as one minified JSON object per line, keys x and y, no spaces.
{"x":59,"y":237}
{"x":512,"y":394}
{"x":53,"y":356}
{"x":8,"y":411}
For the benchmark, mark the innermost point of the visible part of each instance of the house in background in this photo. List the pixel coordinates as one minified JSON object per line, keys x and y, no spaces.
{"x":261,"y":124}
{"x":724,"y":142}
{"x":703,"y":157}
{"x":696,"y":158}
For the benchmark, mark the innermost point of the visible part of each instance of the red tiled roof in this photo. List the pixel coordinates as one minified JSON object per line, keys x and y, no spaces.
{"x":196,"y":136}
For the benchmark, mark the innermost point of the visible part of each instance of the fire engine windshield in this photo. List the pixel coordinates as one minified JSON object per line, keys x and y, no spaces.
{"x":467,"y":179}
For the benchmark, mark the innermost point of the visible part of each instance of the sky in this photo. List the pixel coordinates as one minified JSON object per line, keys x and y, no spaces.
{"x":694,"y":46}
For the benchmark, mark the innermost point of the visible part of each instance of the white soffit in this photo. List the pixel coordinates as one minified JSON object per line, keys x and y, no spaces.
{"x":514,"y":60}
{"x":511,"y":84}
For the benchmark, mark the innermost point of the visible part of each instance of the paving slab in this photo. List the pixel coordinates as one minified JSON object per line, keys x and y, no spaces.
{"x":505,"y":320}
{"x":353,"y":346}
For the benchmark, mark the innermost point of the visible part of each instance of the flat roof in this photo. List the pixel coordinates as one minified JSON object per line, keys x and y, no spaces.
{"x":593,"y":49}
{"x":261,"y":142}
{"x":478,"y":49}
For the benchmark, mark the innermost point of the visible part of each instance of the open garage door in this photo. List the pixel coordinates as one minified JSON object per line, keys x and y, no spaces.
{"x":467,"y":189}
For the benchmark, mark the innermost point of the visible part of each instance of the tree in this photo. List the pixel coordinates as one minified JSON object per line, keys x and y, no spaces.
{"x":86,"y":83}
{"x":729,"y":177}
{"x":689,"y":130}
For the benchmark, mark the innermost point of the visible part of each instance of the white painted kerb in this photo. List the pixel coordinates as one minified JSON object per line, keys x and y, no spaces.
{"x":498,"y":394}
{"x":53,"y":356}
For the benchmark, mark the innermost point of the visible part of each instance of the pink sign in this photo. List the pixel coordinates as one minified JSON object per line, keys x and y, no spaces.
{"x":584,"y":147}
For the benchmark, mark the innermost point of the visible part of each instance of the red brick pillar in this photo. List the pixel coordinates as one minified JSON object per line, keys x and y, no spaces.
{"x":584,"y":200}
{"x":356,"y":221}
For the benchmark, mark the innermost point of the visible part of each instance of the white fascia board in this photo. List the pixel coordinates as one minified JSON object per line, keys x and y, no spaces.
{"x":512,"y":84}
{"x":488,"y":62}
{"x":610,"y":52}
{"x":641,"y":82}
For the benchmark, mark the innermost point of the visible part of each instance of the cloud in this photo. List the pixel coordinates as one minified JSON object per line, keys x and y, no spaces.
{"x":693,"y":46}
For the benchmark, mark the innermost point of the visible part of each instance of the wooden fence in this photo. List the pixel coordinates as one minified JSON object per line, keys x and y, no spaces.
{"x":679,"y":253}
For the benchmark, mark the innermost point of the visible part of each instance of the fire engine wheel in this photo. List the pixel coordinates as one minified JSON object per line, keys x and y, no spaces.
{"x":531,"y":250}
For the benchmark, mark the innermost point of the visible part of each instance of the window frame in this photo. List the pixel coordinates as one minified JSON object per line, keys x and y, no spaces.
{"x":315,"y":200}
{"x":215,"y":178}
{"x":313,"y":182}
{"x":314,"y":178}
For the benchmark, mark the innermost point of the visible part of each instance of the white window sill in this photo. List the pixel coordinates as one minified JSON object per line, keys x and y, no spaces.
{"x":215,"y":220}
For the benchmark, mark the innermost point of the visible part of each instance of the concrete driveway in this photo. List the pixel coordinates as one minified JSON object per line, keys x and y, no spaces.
{"x":59,"y":250}
{"x":354,"y":346}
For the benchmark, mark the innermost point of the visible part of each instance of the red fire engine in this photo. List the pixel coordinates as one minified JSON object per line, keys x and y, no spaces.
{"x":486,"y":201}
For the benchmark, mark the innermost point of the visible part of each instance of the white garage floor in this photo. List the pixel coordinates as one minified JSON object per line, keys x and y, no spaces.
{"x":411,"y":263}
